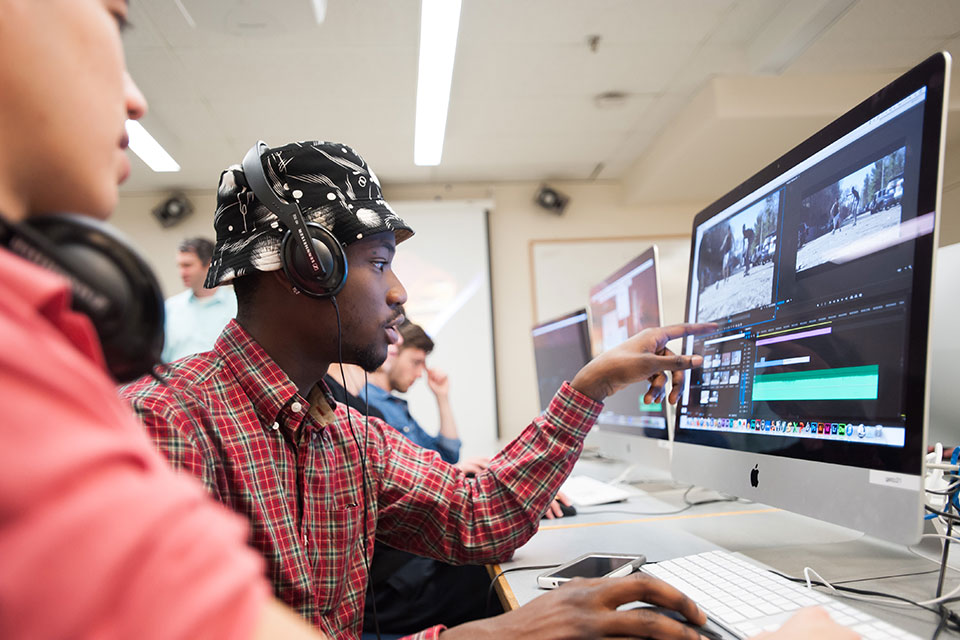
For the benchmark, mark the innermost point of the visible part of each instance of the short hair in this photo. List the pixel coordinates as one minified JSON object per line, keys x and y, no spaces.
{"x":201,"y":247}
{"x":415,"y":336}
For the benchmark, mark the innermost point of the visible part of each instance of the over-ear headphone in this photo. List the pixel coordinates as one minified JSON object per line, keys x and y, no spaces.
{"x":312,"y":257}
{"x":111,"y":284}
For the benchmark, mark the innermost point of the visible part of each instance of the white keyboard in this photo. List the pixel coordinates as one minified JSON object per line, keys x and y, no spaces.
{"x":585,"y":491}
{"x":748,"y":599}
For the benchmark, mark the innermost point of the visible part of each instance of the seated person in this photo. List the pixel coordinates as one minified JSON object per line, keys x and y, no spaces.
{"x":253,"y":421}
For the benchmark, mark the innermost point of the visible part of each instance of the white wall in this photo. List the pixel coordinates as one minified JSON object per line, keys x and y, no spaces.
{"x":159,"y":245}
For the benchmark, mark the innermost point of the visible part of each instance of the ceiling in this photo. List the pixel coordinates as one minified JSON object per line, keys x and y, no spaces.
{"x":740,"y":80}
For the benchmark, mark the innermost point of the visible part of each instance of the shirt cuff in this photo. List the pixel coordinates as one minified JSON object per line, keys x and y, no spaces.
{"x":572,"y":410}
{"x":452,"y":445}
{"x":429,"y":634}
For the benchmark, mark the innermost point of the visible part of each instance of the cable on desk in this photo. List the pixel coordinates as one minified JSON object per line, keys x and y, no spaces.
{"x":686,"y":501}
{"x":493,"y":582}
{"x":856,"y":591}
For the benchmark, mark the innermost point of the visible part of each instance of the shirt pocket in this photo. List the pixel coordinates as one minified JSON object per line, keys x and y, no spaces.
{"x":338,"y":554}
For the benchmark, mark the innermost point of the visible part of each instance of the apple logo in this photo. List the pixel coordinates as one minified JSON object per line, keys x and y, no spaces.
{"x":755,"y":476}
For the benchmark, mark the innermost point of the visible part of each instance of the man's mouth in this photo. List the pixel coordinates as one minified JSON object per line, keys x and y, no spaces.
{"x":393,"y":335}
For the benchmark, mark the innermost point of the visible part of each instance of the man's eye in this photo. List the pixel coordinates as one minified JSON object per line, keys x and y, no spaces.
{"x":380,"y":264}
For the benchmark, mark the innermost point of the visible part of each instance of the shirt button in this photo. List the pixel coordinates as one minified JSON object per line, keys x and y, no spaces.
{"x":296,"y":407}
{"x":275,"y":426}
{"x":406,"y":429}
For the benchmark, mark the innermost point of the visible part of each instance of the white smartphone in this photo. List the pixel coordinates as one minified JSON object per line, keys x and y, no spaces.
{"x":591,"y":565}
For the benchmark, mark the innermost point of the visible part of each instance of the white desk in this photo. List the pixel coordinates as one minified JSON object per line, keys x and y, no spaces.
{"x":785,"y":541}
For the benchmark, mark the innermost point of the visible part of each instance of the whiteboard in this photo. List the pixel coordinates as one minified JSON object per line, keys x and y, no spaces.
{"x":565,"y":270}
{"x":448,"y":294}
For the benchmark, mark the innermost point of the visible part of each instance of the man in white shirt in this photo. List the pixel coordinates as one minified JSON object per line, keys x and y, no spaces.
{"x":195,"y":317}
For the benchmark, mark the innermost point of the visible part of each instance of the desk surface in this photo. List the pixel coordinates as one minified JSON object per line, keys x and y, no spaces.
{"x":652,"y":523}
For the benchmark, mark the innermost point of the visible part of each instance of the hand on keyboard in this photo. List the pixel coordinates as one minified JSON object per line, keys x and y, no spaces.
{"x":809,"y":623}
{"x":750,"y":600}
{"x":588,"y":609}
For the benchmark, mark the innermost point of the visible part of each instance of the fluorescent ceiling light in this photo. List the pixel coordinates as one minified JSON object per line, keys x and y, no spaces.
{"x":439,"y":23}
{"x":149,"y":150}
{"x":320,"y":10}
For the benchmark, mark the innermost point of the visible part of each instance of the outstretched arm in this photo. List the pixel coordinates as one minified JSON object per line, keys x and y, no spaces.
{"x":434,"y":510}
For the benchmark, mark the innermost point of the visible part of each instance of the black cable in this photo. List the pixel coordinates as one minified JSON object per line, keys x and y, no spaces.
{"x":363,"y":464}
{"x":943,"y":559}
{"x":366,"y":434}
{"x":493,"y":581}
{"x":943,"y":621}
{"x":942,"y":514}
{"x":862,"y":592}
{"x":942,"y":493}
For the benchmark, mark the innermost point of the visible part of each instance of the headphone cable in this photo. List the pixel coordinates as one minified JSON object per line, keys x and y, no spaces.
{"x":362,"y":450}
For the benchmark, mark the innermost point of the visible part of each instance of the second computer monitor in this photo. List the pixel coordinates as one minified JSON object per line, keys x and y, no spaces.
{"x":621,"y":306}
{"x":560,"y":348}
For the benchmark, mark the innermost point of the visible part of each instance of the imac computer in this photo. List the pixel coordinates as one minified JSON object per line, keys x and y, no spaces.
{"x":622,"y":305}
{"x":813,"y":393}
{"x":560,"y":348}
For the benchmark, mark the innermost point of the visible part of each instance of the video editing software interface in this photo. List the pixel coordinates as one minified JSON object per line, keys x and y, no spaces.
{"x":560,"y":347}
{"x":811,"y":277}
{"x":620,"y":307}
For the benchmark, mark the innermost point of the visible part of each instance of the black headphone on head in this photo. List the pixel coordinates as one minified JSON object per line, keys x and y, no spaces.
{"x":312,"y":258}
{"x":110,"y":282}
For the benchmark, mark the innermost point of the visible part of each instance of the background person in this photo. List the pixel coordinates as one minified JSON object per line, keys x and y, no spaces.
{"x":195,"y":317}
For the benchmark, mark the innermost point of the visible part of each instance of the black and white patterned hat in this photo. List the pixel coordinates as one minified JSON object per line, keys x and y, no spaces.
{"x":340,"y":192}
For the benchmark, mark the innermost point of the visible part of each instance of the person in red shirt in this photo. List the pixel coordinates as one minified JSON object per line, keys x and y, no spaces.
{"x":98,"y":537}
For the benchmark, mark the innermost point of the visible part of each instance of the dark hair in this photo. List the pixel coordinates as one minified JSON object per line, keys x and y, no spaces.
{"x":202,"y":247}
{"x":415,"y":336}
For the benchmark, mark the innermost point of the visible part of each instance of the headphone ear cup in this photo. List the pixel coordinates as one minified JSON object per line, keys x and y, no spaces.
{"x":111,"y":284}
{"x":333,"y":263}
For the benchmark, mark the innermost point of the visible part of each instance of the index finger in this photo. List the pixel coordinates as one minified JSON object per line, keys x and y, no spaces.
{"x":644,"y":587}
{"x":673,"y":331}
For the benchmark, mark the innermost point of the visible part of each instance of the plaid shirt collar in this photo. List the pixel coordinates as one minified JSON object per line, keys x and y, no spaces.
{"x":265,"y":384}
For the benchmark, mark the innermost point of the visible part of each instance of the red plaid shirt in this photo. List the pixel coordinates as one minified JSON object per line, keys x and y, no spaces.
{"x":233,"y":419}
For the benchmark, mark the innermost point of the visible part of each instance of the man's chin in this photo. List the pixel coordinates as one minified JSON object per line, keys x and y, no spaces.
{"x":370,"y":358}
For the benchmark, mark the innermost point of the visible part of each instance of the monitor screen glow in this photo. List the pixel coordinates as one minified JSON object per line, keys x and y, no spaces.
{"x":621,"y":306}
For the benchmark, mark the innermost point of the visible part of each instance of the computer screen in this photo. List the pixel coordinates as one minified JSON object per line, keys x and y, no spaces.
{"x":560,"y":347}
{"x":625,"y":303}
{"x":812,"y":394}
